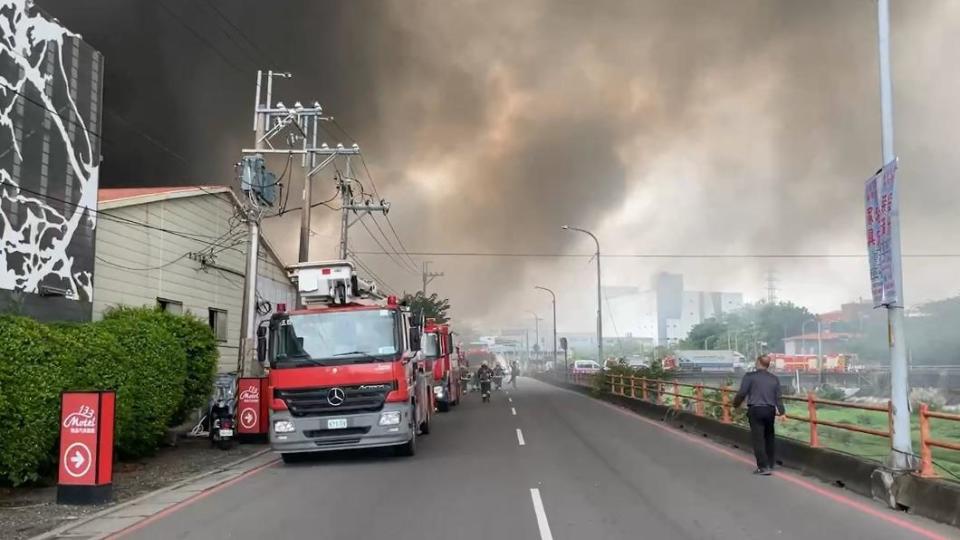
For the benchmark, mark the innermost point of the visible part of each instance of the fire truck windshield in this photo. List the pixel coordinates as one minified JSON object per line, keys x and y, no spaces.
{"x":336,"y":338}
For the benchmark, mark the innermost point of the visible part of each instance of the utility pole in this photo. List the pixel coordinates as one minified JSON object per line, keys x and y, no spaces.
{"x":428,"y":276}
{"x":901,"y":452}
{"x":350,"y":205}
{"x":245,"y":363}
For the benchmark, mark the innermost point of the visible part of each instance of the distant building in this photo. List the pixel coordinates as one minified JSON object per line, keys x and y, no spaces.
{"x":183,"y":249}
{"x":666,"y":312}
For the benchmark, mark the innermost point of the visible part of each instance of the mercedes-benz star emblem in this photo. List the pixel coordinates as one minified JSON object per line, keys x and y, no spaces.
{"x":336,"y":397}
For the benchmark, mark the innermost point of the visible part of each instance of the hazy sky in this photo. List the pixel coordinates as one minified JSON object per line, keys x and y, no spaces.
{"x":666,"y":127}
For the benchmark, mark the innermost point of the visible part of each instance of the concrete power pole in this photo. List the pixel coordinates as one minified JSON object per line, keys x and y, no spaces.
{"x":358,"y":208}
{"x":301,"y":125}
{"x":428,"y":276}
{"x":901,"y":454}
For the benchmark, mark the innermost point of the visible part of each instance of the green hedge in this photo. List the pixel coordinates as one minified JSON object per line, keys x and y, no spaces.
{"x":161,"y":366}
{"x":155,"y":366}
{"x":200,"y":345}
{"x":31,"y":379}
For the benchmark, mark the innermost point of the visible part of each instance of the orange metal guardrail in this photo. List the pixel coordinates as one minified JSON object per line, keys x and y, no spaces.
{"x":642,"y":387}
{"x":927,"y":443}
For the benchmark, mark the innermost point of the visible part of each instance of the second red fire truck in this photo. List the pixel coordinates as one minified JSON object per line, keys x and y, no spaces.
{"x":444,"y":361}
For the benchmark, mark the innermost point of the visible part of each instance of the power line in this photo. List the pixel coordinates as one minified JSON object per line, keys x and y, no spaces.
{"x":229,"y":36}
{"x":373,"y":184}
{"x":660,"y":255}
{"x":201,"y":38}
{"x":383,"y":250}
{"x":133,"y":269}
{"x":373,"y":274}
{"x":389,"y":243}
{"x":249,"y":41}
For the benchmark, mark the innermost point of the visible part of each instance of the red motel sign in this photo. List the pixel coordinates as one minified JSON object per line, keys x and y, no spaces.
{"x":86,"y":447}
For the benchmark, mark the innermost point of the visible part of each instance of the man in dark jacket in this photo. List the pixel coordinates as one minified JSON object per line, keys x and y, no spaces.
{"x":761,"y":389}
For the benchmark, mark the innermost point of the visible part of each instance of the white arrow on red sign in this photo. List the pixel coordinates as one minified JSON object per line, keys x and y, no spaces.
{"x":78,"y":459}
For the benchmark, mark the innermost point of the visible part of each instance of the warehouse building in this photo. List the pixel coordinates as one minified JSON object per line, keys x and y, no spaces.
{"x":183,"y":249}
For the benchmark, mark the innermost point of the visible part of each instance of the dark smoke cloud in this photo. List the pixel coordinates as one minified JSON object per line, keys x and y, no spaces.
{"x":691,"y":126}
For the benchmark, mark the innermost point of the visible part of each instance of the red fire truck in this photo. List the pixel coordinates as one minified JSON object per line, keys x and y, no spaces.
{"x":805,"y":363}
{"x":346,"y":371}
{"x":443,"y":360}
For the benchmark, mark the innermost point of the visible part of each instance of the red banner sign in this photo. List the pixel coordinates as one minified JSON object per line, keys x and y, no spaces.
{"x":249,"y":418}
{"x":86,"y":438}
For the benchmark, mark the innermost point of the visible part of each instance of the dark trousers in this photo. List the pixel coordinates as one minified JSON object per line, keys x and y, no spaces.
{"x":761,"y":431}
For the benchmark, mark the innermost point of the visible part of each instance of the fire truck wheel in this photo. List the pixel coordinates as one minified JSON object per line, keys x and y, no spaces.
{"x":407,"y":449}
{"x":425,"y":426}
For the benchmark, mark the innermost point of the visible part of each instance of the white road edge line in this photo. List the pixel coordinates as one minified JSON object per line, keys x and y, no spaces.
{"x":542,"y":523}
{"x":513,"y":411}
{"x":520,"y":437}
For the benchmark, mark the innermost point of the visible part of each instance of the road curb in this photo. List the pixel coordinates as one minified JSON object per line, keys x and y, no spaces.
{"x":60,"y":530}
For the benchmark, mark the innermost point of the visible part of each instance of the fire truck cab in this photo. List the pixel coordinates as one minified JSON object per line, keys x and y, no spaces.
{"x":443,"y":360}
{"x":346,"y":371}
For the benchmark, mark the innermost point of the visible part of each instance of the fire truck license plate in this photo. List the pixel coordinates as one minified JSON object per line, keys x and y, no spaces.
{"x":337,"y":423}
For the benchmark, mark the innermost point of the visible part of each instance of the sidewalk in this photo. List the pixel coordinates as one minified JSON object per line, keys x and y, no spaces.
{"x":124,"y":515}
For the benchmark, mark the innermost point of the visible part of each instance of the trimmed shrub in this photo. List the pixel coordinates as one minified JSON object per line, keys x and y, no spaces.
{"x":30,"y":383}
{"x":200,"y":345}
{"x":153,"y":369}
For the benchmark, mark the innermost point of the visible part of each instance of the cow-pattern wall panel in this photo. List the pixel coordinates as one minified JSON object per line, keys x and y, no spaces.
{"x":50,"y":109}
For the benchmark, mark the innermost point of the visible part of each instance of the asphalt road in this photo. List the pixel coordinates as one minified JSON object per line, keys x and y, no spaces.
{"x":585,"y":471}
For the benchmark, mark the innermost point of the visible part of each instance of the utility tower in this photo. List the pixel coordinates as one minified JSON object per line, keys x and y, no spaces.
{"x":771,"y":287}
{"x":428,"y":276}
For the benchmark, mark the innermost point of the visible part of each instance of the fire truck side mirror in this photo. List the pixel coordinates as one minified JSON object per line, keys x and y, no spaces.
{"x":414,"y":338}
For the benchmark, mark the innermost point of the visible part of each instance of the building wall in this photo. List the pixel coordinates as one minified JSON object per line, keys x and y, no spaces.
{"x":49,"y":167}
{"x":136,"y":265}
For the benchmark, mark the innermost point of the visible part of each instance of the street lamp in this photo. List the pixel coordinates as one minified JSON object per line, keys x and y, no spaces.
{"x":599,"y":302}
{"x":536,"y":322}
{"x":554,"y":348}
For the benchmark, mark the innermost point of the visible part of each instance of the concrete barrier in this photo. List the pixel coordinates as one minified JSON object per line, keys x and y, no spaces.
{"x":934,"y":499}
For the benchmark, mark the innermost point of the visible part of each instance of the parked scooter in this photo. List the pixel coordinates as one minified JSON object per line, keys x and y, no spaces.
{"x":222,"y":411}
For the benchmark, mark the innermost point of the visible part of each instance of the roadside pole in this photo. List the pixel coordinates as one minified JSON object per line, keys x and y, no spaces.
{"x":246,"y":364}
{"x":901,"y":453}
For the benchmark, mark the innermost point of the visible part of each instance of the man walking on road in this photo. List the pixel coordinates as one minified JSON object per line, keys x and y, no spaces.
{"x":764,"y":398}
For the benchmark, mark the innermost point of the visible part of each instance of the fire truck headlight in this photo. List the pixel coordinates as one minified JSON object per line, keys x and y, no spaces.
{"x":438,"y":391}
{"x":390,"y":418}
{"x":283,"y":426}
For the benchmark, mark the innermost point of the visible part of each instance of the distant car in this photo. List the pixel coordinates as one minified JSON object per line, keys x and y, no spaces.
{"x":637,"y":363}
{"x":585,"y":367}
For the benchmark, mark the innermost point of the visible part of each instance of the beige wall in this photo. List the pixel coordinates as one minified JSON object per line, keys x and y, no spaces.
{"x":136,"y":265}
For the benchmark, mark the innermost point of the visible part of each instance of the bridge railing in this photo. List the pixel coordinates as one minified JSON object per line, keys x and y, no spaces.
{"x":687,"y":396}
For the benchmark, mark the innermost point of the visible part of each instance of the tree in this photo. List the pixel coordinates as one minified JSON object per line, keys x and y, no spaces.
{"x":750,"y":326}
{"x":931,"y":332}
{"x":430,"y":307}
